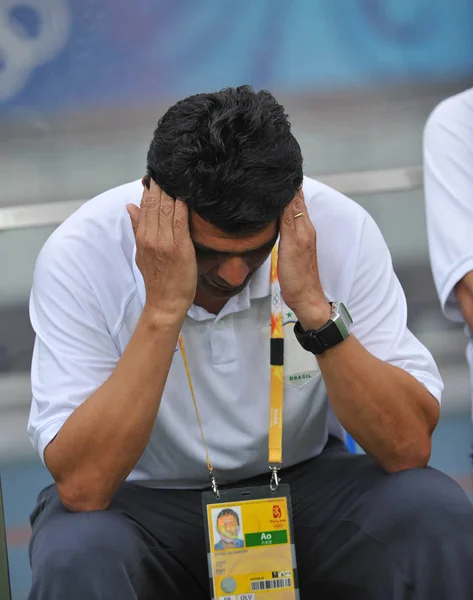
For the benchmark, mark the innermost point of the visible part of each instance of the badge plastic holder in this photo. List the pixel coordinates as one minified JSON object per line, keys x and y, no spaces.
{"x":250,"y":544}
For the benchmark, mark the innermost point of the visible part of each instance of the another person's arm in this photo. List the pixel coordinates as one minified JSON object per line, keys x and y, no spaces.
{"x":448,"y":181}
{"x":100,"y":442}
{"x":464,"y":296}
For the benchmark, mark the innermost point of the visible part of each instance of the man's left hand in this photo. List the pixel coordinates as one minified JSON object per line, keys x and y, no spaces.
{"x":297,"y":266}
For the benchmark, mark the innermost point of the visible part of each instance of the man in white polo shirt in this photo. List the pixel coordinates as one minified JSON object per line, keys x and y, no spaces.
{"x":163,"y":289}
{"x":448,"y":175}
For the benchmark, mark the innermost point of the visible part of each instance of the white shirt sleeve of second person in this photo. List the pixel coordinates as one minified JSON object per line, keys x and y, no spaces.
{"x":448,"y":176}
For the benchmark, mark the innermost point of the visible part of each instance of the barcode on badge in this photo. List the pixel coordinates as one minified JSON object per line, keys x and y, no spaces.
{"x":270,"y":584}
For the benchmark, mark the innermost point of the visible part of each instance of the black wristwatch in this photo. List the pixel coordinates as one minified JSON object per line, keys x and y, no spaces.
{"x":335,"y":330}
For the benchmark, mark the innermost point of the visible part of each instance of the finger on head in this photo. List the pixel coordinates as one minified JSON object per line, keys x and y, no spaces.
{"x":297,"y":204}
{"x":181,"y":217}
{"x":166,"y":212}
{"x":151,"y":196}
{"x":294,"y":207}
{"x":298,"y":209}
{"x":287,"y":214}
{"x":166,"y":198}
{"x":153,"y":186}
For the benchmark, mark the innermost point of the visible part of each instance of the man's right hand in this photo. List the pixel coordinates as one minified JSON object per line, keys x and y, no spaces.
{"x":165,"y":254}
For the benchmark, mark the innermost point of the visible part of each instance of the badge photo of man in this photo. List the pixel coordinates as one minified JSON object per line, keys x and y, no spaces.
{"x":228,"y":529}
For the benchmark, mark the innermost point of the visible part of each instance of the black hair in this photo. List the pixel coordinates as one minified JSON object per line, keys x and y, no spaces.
{"x":230,"y":155}
{"x":229,"y":511}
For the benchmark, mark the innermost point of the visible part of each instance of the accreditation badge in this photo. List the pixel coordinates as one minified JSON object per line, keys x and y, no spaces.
{"x":250,"y":544}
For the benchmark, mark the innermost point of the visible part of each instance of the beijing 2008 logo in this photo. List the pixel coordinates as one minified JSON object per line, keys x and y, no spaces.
{"x":22,"y":50}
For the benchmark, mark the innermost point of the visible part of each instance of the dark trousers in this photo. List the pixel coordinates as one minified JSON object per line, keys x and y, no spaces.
{"x":359,"y":533}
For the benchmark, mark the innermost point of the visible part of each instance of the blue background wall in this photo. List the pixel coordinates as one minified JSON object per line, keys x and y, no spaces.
{"x":61,"y":59}
{"x":88,"y":53}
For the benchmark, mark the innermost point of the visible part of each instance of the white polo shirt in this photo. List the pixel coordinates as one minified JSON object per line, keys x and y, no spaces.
{"x":448,"y":174}
{"x":87,"y":298}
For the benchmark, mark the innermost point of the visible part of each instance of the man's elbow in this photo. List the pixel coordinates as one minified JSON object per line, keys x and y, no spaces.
{"x":412,"y":448}
{"x":78,"y":490}
{"x":413,"y":457}
{"x":79,"y":498}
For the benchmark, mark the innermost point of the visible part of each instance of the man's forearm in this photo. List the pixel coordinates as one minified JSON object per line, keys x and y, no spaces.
{"x":102,"y":440}
{"x":387,"y":411}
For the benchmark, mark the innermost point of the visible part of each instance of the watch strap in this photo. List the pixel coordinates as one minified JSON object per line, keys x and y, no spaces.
{"x":318,"y":340}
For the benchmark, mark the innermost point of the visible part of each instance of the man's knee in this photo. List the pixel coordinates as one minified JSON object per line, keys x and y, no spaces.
{"x":421,"y":502}
{"x":78,"y":543}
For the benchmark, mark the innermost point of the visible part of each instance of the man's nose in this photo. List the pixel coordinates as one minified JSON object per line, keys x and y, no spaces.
{"x":234,"y":271}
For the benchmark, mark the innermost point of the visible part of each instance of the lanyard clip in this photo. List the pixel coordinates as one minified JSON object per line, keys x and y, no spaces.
{"x":275,"y":479}
{"x":215,"y":489}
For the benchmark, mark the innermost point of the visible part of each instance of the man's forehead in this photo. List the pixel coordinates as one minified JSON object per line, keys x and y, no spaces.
{"x":209,"y":237}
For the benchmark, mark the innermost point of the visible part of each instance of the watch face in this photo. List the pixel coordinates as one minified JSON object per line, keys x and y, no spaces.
{"x":342,"y":319}
{"x":345,"y":314}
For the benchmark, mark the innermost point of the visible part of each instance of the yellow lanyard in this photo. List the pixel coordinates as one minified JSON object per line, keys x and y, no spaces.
{"x":276,"y":384}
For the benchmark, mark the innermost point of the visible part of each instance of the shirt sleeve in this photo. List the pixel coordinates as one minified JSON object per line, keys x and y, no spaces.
{"x":379,"y":310}
{"x":74,"y":352}
{"x":448,"y":176}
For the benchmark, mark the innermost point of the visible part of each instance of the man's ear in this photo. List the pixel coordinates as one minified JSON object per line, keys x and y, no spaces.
{"x":145,"y":181}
